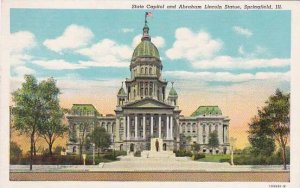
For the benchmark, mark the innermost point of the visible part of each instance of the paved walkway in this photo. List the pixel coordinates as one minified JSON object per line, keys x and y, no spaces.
{"x":135,"y":164}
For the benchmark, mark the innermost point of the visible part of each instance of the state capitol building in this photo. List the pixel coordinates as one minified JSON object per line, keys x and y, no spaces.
{"x":145,"y":110}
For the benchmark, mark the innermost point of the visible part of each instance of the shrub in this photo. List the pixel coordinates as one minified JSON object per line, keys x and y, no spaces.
{"x":15,"y":150}
{"x":110,"y":156}
{"x":120,"y":153}
{"x":199,"y":156}
{"x":183,"y":153}
{"x":137,"y":154}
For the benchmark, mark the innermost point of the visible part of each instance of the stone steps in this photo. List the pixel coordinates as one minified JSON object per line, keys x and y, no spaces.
{"x":155,"y":154}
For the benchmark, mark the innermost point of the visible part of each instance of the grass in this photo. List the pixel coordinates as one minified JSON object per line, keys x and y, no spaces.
{"x":215,"y":158}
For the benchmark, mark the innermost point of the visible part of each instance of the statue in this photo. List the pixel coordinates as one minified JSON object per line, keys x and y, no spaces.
{"x":157,"y":145}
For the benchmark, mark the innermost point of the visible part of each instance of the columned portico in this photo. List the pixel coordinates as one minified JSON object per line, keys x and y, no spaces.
{"x":135,"y":127}
{"x":159,"y":126}
{"x":151,"y":125}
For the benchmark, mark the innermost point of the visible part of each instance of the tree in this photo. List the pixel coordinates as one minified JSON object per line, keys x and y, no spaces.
{"x":262,"y":143}
{"x":195,"y":147}
{"x":277,"y":115}
{"x":27,"y":110}
{"x":83,"y":129}
{"x":51,"y":126}
{"x":101,"y":138}
{"x":213,"y":141}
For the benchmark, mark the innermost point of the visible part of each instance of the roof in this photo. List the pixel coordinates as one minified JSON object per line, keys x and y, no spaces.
{"x":207,"y":110}
{"x":84,"y":107}
{"x":121,"y":92}
{"x":145,"y":49}
{"x":172,"y":92}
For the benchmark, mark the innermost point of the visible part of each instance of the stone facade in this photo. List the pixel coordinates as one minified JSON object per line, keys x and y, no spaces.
{"x":144,"y":111}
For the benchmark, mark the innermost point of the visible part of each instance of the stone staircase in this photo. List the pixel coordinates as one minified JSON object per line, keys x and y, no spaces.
{"x":160,"y":154}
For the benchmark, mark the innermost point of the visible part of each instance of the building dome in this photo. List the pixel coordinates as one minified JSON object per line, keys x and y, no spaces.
{"x":121,"y":91}
{"x":145,"y":48}
{"x":173,"y":92}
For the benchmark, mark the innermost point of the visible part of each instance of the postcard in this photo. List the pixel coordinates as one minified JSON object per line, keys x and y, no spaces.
{"x":166,"y":93}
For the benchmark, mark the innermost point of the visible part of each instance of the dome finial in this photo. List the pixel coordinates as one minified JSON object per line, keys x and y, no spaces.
{"x":146,"y":28}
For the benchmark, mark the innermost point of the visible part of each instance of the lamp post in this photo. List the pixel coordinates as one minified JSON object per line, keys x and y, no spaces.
{"x":232,"y":142}
{"x":114,"y":146}
{"x":93,"y":153}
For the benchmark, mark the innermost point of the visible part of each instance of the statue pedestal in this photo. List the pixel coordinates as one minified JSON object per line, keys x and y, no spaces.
{"x":153,"y":145}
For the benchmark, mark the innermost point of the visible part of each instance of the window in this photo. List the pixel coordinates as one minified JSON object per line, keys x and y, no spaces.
{"x":150,"y":70}
{"x":146,"y":70}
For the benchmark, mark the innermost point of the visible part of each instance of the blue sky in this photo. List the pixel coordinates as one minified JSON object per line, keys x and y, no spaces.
{"x":233,"y":59}
{"x":242,"y":34}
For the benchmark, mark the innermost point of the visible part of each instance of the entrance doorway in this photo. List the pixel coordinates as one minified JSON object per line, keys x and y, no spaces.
{"x":165,"y":147}
{"x":131,"y":147}
{"x":121,"y":147}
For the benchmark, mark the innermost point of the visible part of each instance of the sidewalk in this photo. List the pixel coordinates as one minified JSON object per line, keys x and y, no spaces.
{"x":136,"y":164}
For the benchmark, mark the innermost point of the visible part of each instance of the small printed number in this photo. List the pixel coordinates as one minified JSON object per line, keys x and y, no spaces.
{"x":277,"y":186}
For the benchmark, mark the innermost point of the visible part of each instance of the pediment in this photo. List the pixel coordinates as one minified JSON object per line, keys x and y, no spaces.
{"x":148,"y":103}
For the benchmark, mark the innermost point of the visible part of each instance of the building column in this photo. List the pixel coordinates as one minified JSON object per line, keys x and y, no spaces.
{"x":159,"y":126}
{"x":167,"y":125}
{"x":128,"y":128}
{"x":124,"y":128}
{"x":144,"y":126}
{"x":220,"y":133}
{"x":151,"y":124}
{"x":135,"y":126}
{"x":171,"y":128}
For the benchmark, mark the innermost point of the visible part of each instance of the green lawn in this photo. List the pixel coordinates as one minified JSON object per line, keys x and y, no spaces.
{"x":215,"y":158}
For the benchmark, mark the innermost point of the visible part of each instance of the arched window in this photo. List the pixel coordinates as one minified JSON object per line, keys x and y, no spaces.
{"x":146,"y":70}
{"x":142,"y":70}
{"x":150,"y":70}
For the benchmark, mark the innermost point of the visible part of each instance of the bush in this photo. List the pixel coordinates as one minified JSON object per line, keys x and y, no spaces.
{"x":110,"y":156}
{"x":273,"y":159}
{"x":120,"y":153}
{"x":15,"y":150}
{"x":137,"y":154}
{"x":199,"y":156}
{"x":183,"y":153}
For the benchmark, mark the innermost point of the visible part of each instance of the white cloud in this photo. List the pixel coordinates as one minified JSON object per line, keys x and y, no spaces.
{"x":127,"y":30}
{"x":241,"y":50}
{"x":227,"y":76}
{"x":18,"y":48}
{"x":19,"y":44}
{"x":242,"y":31}
{"x":21,"y":41}
{"x":20,"y":71}
{"x":106,"y":53}
{"x":191,"y":46}
{"x":230,"y":63}
{"x":158,"y":41}
{"x":74,"y":37}
{"x":57,"y":64}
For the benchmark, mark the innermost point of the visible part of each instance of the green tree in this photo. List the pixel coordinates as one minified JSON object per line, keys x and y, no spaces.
{"x":51,"y":126}
{"x":101,"y":138}
{"x":277,"y":115}
{"x":15,"y":150}
{"x":260,"y":137}
{"x":195,"y":147}
{"x":213,"y":140}
{"x":27,"y":110}
{"x":83,"y":130}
